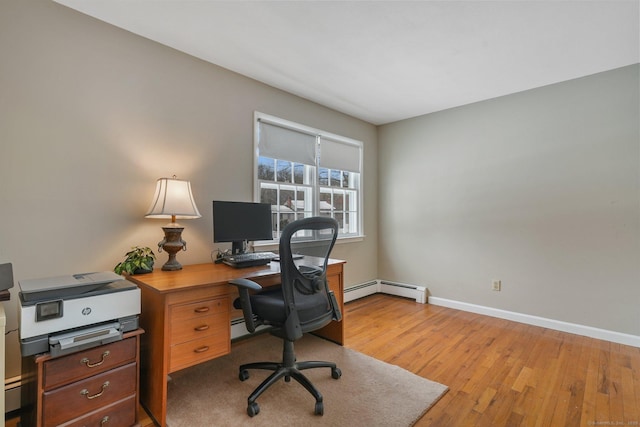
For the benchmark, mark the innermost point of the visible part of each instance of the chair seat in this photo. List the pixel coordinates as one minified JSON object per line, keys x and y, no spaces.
{"x":269,"y":305}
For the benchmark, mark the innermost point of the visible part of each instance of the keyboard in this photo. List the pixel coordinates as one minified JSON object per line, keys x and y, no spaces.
{"x":249,"y":259}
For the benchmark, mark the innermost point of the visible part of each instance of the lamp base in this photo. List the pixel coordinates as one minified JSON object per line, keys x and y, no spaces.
{"x":172,"y":244}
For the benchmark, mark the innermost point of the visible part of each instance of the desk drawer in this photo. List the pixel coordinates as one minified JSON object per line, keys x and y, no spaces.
{"x":197,"y":309}
{"x":76,"y":366}
{"x":71,"y":401}
{"x":121,"y":413}
{"x":198,"y":327}
{"x":199,"y":350}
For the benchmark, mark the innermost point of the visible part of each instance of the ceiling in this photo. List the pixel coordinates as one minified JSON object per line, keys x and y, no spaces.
{"x":383,"y":61}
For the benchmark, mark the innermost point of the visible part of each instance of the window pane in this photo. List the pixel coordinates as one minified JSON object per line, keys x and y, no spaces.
{"x":287,"y":199}
{"x":338,"y":216}
{"x":345,"y":179}
{"x":266,"y":169}
{"x":298,"y":173}
{"x":325,"y":202}
{"x":324,"y":176}
{"x":338,"y":200}
{"x":269,"y":195}
{"x":284,"y":170}
{"x":335,"y":178}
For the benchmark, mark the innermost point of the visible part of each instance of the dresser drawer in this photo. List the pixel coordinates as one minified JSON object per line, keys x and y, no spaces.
{"x":192,"y":310}
{"x":119,"y":414}
{"x":76,"y":366}
{"x":198,"y":327}
{"x":71,"y":401}
{"x":199,"y":350}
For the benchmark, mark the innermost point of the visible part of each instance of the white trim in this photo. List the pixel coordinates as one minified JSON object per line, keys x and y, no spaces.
{"x":274,"y":245}
{"x":558,"y":325}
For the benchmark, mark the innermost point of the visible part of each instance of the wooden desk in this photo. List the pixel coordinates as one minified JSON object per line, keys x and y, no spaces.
{"x":186,"y":315}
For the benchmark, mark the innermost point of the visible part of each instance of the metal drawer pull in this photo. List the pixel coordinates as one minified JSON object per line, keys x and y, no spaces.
{"x":201,"y":328}
{"x":85,"y":392}
{"x":93,"y":365}
{"x":201,"y":349}
{"x":105,"y":420}
{"x":201,"y":309}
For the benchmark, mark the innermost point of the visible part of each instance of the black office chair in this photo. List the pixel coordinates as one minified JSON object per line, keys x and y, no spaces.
{"x":302,"y":303}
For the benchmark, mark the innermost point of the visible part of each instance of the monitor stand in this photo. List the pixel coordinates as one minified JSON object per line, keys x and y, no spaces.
{"x":239,"y":247}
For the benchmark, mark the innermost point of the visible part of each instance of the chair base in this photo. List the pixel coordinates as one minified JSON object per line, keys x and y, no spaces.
{"x":288,"y":369}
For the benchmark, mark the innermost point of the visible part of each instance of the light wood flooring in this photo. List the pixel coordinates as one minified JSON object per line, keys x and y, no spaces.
{"x":499,"y":373}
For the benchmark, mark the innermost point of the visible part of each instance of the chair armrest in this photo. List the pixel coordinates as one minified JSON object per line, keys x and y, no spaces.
{"x":244,"y":286}
{"x":245,"y":283}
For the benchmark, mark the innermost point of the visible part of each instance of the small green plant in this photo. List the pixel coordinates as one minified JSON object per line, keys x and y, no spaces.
{"x":138,"y":260}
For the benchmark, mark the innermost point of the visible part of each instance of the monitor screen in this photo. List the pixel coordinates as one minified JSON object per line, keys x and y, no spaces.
{"x":239,"y":222}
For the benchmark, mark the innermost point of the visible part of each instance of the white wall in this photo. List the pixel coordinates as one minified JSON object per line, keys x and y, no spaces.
{"x":91,"y":116}
{"x":539,"y":189}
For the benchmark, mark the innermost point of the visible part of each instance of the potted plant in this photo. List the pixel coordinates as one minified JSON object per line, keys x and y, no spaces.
{"x":137,"y":261}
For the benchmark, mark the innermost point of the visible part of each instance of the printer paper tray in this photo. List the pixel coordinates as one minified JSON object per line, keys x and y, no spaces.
{"x":85,"y":338}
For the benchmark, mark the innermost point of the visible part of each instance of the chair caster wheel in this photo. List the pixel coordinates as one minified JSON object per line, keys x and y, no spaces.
{"x":336,"y":373}
{"x":319,"y":408}
{"x":243,"y":375}
{"x":253,"y":409}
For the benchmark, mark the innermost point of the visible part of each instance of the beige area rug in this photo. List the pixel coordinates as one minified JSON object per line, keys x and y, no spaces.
{"x":369,"y":393}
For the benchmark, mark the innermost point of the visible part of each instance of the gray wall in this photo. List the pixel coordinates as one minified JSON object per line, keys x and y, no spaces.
{"x":91,"y":116}
{"x":539,"y":189}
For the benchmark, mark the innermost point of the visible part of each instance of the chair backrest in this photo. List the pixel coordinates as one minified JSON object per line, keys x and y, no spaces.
{"x":304,"y":280}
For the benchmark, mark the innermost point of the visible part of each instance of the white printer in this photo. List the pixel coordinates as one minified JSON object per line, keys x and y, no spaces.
{"x":65,"y":314}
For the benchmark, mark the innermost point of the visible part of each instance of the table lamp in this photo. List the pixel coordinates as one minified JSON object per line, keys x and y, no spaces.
{"x":173,"y":199}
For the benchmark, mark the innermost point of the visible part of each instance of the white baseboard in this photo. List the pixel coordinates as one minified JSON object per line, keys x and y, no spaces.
{"x":419,"y":293}
{"x":558,"y":325}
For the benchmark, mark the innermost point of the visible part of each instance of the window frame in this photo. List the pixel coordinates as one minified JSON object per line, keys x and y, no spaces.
{"x":317,"y":188}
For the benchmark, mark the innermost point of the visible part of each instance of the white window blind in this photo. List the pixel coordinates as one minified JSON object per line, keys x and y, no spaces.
{"x":339,"y":155}
{"x":286,"y":144}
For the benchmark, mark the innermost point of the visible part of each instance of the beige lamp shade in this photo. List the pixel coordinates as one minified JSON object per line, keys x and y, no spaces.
{"x":173,"y":199}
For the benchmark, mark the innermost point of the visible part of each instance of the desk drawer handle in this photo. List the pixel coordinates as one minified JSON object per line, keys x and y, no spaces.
{"x":201,"y":328}
{"x":93,"y":365}
{"x":201,"y":309}
{"x":85,"y":392}
{"x":104,"y":421}
{"x":201,"y":349}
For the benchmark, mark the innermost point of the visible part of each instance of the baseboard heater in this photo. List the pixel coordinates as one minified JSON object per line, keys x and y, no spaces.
{"x":239,"y":329}
{"x":419,"y":293}
{"x":360,"y":291}
{"x":12,"y":394}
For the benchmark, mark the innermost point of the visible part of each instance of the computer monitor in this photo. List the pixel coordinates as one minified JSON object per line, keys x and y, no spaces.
{"x":239,"y":222}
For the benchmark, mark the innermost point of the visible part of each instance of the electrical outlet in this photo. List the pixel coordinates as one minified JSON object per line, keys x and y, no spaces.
{"x":496,"y":285}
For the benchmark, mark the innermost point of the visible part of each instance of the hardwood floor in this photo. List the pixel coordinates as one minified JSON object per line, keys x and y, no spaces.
{"x":499,"y":373}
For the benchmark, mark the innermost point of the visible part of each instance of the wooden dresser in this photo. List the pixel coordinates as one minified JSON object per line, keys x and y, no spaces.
{"x":95,"y":387}
{"x":187,"y":318}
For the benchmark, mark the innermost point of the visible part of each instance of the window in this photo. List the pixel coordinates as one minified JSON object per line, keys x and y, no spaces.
{"x":304,"y":172}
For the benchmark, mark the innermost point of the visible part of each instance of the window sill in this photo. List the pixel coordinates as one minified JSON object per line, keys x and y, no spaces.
{"x":274,"y":245}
